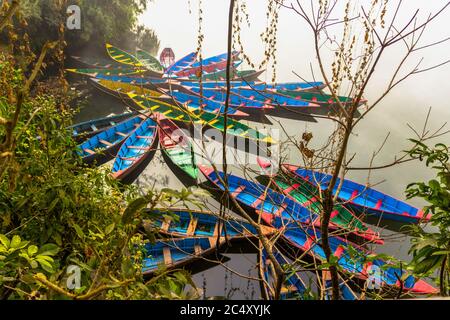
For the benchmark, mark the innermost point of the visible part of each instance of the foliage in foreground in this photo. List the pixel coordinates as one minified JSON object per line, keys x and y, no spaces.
{"x":55,"y":213}
{"x":431,"y":248}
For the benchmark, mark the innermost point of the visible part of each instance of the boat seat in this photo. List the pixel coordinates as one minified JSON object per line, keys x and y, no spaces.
{"x":89,"y":151}
{"x":167,"y":256}
{"x":144,"y":137}
{"x":107,"y":143}
{"x":121,"y":134}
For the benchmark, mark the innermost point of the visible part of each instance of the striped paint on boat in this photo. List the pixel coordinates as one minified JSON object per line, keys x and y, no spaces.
{"x":200,"y":117}
{"x":235,"y":100}
{"x":104,"y":145}
{"x":135,"y":149}
{"x":271,"y":204}
{"x":148,"y":61}
{"x":169,"y":254}
{"x":342,"y":217}
{"x":361,"y":198}
{"x":183,"y":63}
{"x":177,"y":145}
{"x":352,"y":261}
{"x":198,"y":103}
{"x":192,"y":223}
{"x":122,"y":56}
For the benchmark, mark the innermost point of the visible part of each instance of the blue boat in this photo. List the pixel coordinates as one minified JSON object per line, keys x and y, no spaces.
{"x":169,"y":254}
{"x":362,"y":198}
{"x":183,"y":63}
{"x":105,"y":144}
{"x":87,"y":129}
{"x":291,"y":86}
{"x":272,"y":98}
{"x":354,"y":261}
{"x":136,"y":148}
{"x":268,"y":203}
{"x":192,"y":223}
{"x":215,"y":59}
{"x":235,"y":100}
{"x":195,"y":102}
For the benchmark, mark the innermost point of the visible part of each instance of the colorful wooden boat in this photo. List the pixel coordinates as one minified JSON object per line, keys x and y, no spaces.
{"x":104,"y":145}
{"x":169,"y":254}
{"x":247,"y":75}
{"x":316,"y":97}
{"x":192,"y":223}
{"x":197,"y":103}
{"x":235,"y":100}
{"x":305,"y":194}
{"x":215,"y":121}
{"x":122,"y":56}
{"x":107,"y":72}
{"x":293,"y":288}
{"x":136,"y":148}
{"x":137,"y":81}
{"x":122,"y":90}
{"x":149,"y":62}
{"x":270,"y":204}
{"x":177,"y":145}
{"x":213,"y":64}
{"x":293,"y":86}
{"x":361,"y":198}
{"x":183,"y":63}
{"x":271,"y":98}
{"x":87,"y":129}
{"x":353,"y":261}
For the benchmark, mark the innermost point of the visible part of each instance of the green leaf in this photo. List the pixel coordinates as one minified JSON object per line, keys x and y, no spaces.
{"x":32,"y":250}
{"x":49,"y":249}
{"x":15,"y":242}
{"x":79,"y":231}
{"x":4,"y":240}
{"x":47,"y":266}
{"x":110,"y":228}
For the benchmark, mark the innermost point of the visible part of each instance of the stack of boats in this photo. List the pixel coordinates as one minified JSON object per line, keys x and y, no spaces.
{"x":285,"y":204}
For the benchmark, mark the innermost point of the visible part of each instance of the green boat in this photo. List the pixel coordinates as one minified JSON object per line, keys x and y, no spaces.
{"x":316,"y":97}
{"x":342,"y":217}
{"x":177,"y":146}
{"x":148,"y":61}
{"x":198,"y":116}
{"x":122,"y":57}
